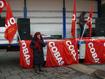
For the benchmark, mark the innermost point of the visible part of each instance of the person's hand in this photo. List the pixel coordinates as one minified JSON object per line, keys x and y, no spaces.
{"x":46,"y":43}
{"x":38,"y":36}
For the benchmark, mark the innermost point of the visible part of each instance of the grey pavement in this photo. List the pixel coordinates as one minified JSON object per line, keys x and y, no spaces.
{"x":10,"y":69}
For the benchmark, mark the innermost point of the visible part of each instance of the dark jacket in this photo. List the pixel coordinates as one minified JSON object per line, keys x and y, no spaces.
{"x":38,"y":56}
{"x":82,"y":22}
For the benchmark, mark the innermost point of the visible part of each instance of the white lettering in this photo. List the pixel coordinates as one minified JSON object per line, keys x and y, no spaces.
{"x":104,"y":44}
{"x":93,"y":52}
{"x":57,"y":55}
{"x":71,"y":49}
{"x":10,"y":22}
{"x":1,"y":4}
{"x":25,"y":52}
{"x":54,"y":49}
{"x":89,"y":19}
{"x":74,"y":17}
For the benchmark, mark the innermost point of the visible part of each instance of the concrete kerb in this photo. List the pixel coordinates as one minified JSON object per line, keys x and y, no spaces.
{"x":100,"y":74}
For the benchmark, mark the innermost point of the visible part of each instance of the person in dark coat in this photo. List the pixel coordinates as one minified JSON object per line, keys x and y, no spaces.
{"x":37,"y":45}
{"x":82,"y":22}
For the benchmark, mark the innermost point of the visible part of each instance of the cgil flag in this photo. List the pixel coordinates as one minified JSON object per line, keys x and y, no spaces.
{"x":10,"y":23}
{"x":89,"y":20}
{"x":73,"y":26}
{"x":2,"y":5}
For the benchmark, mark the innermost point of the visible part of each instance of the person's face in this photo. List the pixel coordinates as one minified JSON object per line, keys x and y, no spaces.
{"x":38,"y":36}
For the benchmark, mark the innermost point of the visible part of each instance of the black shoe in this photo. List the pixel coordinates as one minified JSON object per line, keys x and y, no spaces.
{"x":41,"y":70}
{"x":37,"y":72}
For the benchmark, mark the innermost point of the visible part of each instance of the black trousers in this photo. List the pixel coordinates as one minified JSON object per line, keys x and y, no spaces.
{"x":38,"y":67}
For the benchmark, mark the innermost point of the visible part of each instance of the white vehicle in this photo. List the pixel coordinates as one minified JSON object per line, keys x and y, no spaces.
{"x":4,"y":42}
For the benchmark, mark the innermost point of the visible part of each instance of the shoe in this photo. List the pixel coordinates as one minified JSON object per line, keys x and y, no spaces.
{"x":41,"y":70}
{"x":37,"y":72}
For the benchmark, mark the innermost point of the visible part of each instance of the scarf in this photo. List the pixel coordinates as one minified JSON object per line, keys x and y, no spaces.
{"x":38,"y":44}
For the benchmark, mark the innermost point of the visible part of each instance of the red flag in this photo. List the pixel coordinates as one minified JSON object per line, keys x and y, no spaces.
{"x":73,"y":27}
{"x":71,"y":50}
{"x":26,"y":54}
{"x":2,"y":5}
{"x":10,"y":24}
{"x":55,"y":54}
{"x":89,"y":20}
{"x":93,"y":54}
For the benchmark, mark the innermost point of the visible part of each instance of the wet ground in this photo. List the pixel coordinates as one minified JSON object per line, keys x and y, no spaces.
{"x":10,"y":69}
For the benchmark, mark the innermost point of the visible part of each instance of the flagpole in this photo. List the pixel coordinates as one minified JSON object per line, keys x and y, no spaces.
{"x":73,"y":24}
{"x":25,"y":9}
{"x":25,"y":15}
{"x":90,"y":16}
{"x":64,"y":20}
{"x":18,"y":35}
{"x":83,"y":32}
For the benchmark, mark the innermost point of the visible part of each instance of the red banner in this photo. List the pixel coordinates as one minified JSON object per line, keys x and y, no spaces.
{"x":95,"y":52}
{"x":89,"y":20}
{"x":2,"y":5}
{"x":11,"y":26}
{"x":10,"y":23}
{"x":71,"y":49}
{"x":73,"y":26}
{"x":55,"y":55}
{"x":26,"y":54}
{"x":61,"y":53}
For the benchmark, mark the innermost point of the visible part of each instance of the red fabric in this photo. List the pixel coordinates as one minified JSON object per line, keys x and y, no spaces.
{"x":37,"y":41}
{"x":73,"y":27}
{"x":50,"y":59}
{"x":58,"y":53}
{"x":26,"y":54}
{"x":11,"y":26}
{"x":55,"y":56}
{"x":2,"y":5}
{"x":89,"y":20}
{"x":38,"y":44}
{"x":71,"y":49}
{"x":95,"y":54}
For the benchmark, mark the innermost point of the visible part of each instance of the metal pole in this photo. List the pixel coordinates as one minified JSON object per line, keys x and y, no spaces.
{"x":64,"y":20}
{"x":25,"y":9}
